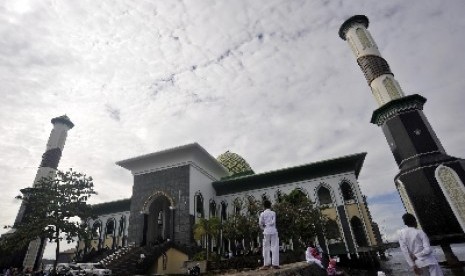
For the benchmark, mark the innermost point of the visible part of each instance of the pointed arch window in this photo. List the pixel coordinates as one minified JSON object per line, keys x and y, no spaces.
{"x":212,"y":207}
{"x":324,"y":196}
{"x":199,"y":205}
{"x":110,"y":227}
{"x":96,"y":229}
{"x":278,"y":196}
{"x":265,"y":197}
{"x":237,"y":205}
{"x":122,"y":225}
{"x":297,"y":196}
{"x":224,"y":211}
{"x":347,"y":192}
{"x":252,"y":206}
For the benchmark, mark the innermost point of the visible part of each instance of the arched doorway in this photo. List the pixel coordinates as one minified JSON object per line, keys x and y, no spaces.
{"x":158,"y":222}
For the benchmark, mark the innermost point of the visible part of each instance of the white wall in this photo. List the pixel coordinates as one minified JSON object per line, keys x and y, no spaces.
{"x":200,"y":182}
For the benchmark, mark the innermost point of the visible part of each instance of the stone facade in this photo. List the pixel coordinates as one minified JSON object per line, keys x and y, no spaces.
{"x":171,"y":181}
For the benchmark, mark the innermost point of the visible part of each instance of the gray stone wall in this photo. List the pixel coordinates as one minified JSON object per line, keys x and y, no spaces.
{"x":172,"y":182}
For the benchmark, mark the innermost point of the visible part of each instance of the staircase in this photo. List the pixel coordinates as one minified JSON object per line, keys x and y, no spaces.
{"x":128,"y":262}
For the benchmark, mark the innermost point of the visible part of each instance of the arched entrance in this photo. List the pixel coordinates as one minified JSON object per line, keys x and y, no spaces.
{"x":158,"y":219}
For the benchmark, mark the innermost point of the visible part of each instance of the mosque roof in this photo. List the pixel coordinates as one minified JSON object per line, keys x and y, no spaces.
{"x":174,"y":157}
{"x":293,"y":174}
{"x":116,"y":206}
{"x":235,"y":164}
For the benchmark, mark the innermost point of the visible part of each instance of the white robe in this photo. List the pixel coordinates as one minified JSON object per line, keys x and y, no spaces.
{"x":267,"y":222}
{"x":414,"y":241}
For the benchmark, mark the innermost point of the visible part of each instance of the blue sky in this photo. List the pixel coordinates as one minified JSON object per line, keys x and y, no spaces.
{"x":269,"y":80}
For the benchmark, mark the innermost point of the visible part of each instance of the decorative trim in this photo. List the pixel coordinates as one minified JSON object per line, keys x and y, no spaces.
{"x":418,"y":155}
{"x":373,"y":66}
{"x":347,"y":230}
{"x":454,"y":191}
{"x":151,"y":198}
{"x":394,"y":107}
{"x":406,"y":200}
{"x":363,"y":38}
{"x":51,"y":158}
{"x":391,"y":88}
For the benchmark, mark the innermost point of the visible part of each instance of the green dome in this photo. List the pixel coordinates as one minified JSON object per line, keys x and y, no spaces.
{"x":236,"y":165}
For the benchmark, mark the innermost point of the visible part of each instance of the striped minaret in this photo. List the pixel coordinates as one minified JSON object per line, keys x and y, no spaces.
{"x":430,"y":182}
{"x":48,"y":167}
{"x":376,"y":69}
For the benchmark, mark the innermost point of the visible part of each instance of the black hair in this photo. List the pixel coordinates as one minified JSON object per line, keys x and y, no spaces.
{"x":267,"y":204}
{"x":409,"y":220}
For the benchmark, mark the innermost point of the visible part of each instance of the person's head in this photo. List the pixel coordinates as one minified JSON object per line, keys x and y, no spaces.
{"x":267,"y":204}
{"x":409,"y":220}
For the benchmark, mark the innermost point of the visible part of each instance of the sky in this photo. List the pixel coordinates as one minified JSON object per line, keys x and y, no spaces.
{"x":269,"y":79}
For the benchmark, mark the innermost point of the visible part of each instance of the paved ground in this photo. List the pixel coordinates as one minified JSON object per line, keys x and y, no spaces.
{"x":300,"y":268}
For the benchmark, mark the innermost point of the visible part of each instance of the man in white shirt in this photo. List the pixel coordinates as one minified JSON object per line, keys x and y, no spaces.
{"x":416,"y":248}
{"x":267,"y":222}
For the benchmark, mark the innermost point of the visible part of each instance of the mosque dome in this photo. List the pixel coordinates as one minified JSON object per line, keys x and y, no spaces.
{"x":235,"y":164}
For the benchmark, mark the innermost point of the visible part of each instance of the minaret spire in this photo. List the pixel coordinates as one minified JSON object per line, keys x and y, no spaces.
{"x":48,"y":167}
{"x":430,"y":182}
{"x":379,"y":76}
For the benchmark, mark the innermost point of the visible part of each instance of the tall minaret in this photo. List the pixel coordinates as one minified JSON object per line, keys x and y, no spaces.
{"x":430,"y":182}
{"x":48,"y":167}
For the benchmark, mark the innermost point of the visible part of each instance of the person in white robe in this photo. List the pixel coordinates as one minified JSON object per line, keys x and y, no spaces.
{"x":416,"y":248}
{"x":267,"y":222}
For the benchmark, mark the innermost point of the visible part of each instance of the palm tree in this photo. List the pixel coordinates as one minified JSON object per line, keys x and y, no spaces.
{"x":210,"y":228}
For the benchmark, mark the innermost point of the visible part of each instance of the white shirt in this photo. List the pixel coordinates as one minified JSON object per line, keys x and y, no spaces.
{"x":267,"y":222}
{"x":415,"y":241}
{"x":310,"y":259}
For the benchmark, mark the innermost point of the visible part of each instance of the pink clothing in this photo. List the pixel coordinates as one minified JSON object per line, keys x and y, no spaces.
{"x":331,"y":270}
{"x":312,"y":257}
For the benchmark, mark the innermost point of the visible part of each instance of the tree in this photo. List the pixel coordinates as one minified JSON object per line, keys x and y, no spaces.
{"x":297,"y":219}
{"x":231,"y":227}
{"x":53,"y":207}
{"x":208,"y":228}
{"x":251,"y":229}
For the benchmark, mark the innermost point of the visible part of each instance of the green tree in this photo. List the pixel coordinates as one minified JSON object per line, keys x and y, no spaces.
{"x":54,"y":208}
{"x":251,"y":229}
{"x":209,"y":228}
{"x":297,"y":219}
{"x":231,"y":227}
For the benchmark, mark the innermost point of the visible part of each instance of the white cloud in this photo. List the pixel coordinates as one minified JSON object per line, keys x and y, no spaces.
{"x":270,"y":80}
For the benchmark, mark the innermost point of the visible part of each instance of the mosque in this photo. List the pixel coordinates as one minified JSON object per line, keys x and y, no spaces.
{"x":173,"y":188}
